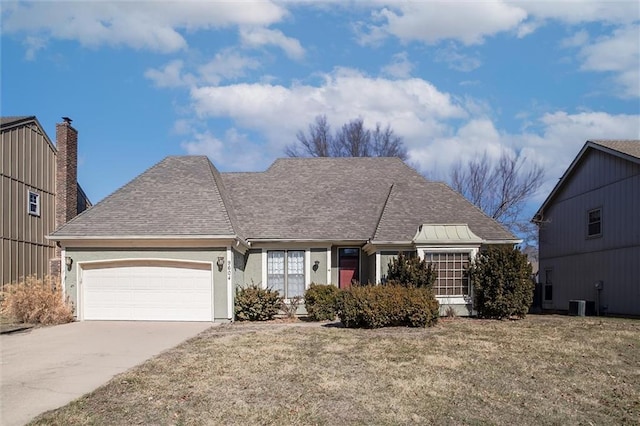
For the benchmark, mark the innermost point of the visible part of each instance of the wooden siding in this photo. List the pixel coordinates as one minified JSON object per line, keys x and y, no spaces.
{"x":28,"y":163}
{"x":611,"y":184}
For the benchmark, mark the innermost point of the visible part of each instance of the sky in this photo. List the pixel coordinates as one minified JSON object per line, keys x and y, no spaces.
{"x":236,"y":80}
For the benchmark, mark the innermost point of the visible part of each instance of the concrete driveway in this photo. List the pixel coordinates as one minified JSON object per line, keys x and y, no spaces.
{"x":46,"y":368}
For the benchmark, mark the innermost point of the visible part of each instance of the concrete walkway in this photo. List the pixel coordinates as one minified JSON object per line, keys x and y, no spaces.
{"x":48,"y":367}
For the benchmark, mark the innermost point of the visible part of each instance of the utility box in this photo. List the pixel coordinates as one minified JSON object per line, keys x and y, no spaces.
{"x":577,"y":308}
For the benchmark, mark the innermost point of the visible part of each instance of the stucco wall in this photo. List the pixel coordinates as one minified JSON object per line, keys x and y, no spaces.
{"x":253,"y":268}
{"x":319,"y":276}
{"x":209,"y":255}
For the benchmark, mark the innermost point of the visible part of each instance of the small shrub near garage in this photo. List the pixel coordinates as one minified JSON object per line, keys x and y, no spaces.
{"x":321,"y":302}
{"x":387,"y":306}
{"x":411,"y":271}
{"x":501,"y":279}
{"x":254,"y":303}
{"x":36,"y":301}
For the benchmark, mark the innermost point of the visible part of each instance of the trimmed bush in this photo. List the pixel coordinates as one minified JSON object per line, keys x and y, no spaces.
{"x":36,"y":301}
{"x":502,"y":285}
{"x":321,"y":302}
{"x":254,"y":303}
{"x":387,"y":306}
{"x":411,"y":271}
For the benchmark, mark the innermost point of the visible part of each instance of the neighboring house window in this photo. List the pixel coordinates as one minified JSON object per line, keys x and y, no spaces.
{"x":452,"y":279}
{"x":548,"y":284}
{"x":33,"y":206}
{"x":594,"y":227}
{"x":285,"y":272}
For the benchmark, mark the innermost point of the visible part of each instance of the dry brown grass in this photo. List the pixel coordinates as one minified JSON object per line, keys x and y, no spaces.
{"x":36,"y":301}
{"x":541,"y":370}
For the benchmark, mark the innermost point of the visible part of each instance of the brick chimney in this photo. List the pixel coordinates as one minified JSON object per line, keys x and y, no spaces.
{"x":66,"y":183}
{"x":66,"y":172}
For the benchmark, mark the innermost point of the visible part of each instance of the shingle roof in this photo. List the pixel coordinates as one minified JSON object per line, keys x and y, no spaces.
{"x":7,"y":121}
{"x":346,"y":199}
{"x":332,"y":199}
{"x":177,"y":197}
{"x":629,"y":146}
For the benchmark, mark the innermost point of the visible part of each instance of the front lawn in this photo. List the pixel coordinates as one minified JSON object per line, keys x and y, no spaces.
{"x":540,"y":370}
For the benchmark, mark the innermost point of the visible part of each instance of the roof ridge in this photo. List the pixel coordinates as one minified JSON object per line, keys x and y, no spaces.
{"x":384,"y":207}
{"x":225,"y":200}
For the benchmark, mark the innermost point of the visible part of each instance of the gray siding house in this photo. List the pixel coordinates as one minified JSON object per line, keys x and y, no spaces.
{"x":39,"y":191}
{"x":589,"y":231}
{"x":175,"y":243}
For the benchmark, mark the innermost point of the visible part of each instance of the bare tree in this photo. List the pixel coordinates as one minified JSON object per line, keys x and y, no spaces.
{"x":319,"y":143}
{"x":501,"y":189}
{"x":353,"y":139}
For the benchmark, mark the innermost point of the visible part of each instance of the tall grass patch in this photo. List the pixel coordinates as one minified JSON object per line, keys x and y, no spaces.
{"x":36,"y":301}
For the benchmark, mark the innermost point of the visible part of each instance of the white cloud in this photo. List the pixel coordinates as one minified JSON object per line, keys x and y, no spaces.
{"x":578,"y":39}
{"x":227,"y":64}
{"x":234,"y":152}
{"x":260,"y":36}
{"x":456,"y":60}
{"x":431,"y":22}
{"x":471,"y":22}
{"x":140,"y":25}
{"x":399,"y":67}
{"x":618,"y":53}
{"x":413,"y":107}
{"x":171,"y":75}
{"x":581,"y":11}
{"x":33,"y":45}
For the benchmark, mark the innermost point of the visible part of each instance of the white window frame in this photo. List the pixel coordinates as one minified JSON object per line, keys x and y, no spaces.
{"x":589,"y":223}
{"x":471,"y":252}
{"x":36,"y":203}
{"x":307,"y":266}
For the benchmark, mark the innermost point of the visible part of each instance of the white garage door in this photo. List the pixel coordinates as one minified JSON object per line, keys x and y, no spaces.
{"x":173,"y":292}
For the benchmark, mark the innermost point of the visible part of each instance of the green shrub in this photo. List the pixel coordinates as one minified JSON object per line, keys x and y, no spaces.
{"x":387,"y":306}
{"x":502,"y":286}
{"x":411,"y":271}
{"x":254,"y":303}
{"x":36,"y":301}
{"x":321,"y":302}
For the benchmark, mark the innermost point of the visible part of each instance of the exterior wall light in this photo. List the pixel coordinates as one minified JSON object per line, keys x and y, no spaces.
{"x":220,"y":263}
{"x":69,"y":262}
{"x":316,"y":265}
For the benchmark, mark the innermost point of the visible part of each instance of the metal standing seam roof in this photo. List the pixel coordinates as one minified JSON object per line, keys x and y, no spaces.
{"x":331,"y":199}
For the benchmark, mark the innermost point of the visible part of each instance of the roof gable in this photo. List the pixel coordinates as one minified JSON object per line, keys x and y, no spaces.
{"x":179,"y":196}
{"x":625,"y":149}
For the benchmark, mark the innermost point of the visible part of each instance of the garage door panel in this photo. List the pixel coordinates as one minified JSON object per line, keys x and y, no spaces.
{"x":165,"y":293}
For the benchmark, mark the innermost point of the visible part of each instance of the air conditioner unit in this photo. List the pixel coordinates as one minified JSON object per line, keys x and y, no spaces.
{"x":577,"y":308}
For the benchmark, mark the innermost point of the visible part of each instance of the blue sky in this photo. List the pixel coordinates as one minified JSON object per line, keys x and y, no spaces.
{"x":237,"y":80}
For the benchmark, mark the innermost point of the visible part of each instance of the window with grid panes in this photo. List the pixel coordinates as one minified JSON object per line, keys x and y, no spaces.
{"x":285,"y":272}
{"x":452,"y":279}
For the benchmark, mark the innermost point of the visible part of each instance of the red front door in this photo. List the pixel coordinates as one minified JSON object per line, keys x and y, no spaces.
{"x":349,"y":266}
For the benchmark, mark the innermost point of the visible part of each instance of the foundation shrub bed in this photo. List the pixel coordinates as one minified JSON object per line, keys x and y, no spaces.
{"x":321,"y":302}
{"x":387,"y":306}
{"x":36,"y":301}
{"x":501,"y":279}
{"x":254,"y":303}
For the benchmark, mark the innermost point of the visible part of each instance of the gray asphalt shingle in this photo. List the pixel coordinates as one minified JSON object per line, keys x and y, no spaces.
{"x":332,"y":199}
{"x":177,"y":196}
{"x":629,"y":146}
